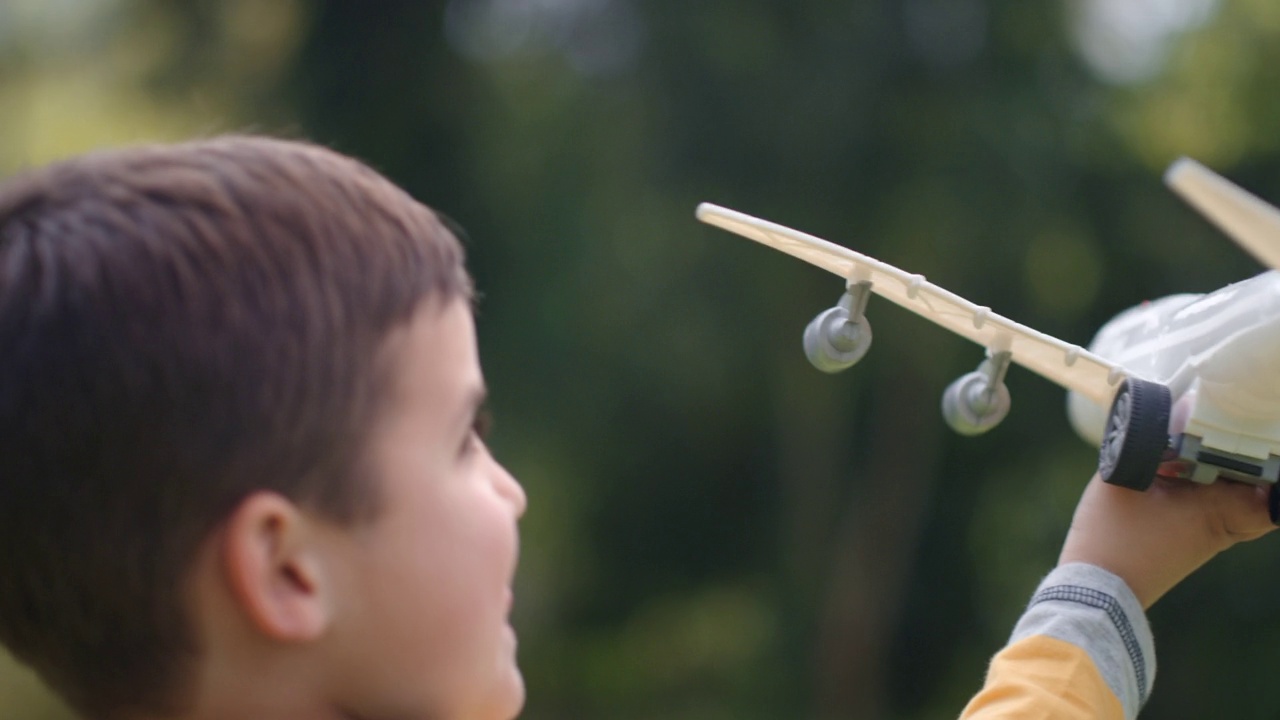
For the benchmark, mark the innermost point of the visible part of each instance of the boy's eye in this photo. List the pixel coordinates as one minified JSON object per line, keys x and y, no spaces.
{"x":480,"y":428}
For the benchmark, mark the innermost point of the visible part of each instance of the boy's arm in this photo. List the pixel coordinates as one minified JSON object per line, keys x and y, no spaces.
{"x":1083,"y":648}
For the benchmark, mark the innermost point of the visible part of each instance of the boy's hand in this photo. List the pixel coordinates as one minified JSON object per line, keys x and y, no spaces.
{"x":1155,"y":539}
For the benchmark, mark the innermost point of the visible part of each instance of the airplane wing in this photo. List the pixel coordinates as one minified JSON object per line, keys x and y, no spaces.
{"x":1068,"y":365}
{"x":1252,"y":223}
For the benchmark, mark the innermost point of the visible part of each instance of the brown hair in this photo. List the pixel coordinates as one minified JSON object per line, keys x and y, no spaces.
{"x":181,"y":326}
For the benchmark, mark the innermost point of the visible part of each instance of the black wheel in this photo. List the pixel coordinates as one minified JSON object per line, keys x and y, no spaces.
{"x":1137,"y":434}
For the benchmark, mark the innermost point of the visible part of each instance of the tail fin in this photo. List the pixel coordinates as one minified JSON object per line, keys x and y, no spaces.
{"x":1252,"y":223}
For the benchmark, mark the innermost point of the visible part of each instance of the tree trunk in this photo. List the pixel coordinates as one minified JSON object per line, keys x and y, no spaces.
{"x":863,"y":564}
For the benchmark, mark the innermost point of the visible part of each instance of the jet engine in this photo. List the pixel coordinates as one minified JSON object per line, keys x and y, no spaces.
{"x":979,"y":400}
{"x":840,"y":336}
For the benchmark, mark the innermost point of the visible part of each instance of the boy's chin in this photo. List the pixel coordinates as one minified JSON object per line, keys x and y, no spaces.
{"x":517,"y":703}
{"x":507,"y":701}
{"x":513,"y":693}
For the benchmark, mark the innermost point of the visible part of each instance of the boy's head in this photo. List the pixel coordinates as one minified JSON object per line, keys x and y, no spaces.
{"x":237,"y":386}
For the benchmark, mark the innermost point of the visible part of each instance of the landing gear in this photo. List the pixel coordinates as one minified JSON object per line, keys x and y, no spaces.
{"x":1137,"y":434}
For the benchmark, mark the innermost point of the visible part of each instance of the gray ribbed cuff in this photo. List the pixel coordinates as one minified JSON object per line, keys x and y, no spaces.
{"x":1094,"y":610}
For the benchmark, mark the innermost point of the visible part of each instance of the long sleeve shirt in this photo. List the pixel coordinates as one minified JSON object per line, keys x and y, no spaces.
{"x":1083,"y":649}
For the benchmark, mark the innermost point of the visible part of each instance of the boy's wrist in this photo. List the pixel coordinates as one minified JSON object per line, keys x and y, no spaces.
{"x":1115,"y":564}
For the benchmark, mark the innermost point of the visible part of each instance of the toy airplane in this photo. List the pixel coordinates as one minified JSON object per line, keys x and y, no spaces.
{"x":1192,"y":382}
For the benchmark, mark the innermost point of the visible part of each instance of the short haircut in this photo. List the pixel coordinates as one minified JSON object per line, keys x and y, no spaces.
{"x":180,"y":326}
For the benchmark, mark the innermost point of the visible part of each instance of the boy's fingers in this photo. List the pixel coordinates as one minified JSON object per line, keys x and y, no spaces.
{"x":1243,"y":509}
{"x":1232,"y":511}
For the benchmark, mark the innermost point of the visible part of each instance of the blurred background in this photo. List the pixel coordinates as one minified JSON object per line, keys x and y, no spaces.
{"x":717,"y":530}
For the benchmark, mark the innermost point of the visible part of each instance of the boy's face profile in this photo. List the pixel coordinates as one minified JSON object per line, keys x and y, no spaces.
{"x":430,"y":579}
{"x":405,"y":616}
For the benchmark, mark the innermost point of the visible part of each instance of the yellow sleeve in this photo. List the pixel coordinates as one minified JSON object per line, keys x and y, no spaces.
{"x":1043,"y":678}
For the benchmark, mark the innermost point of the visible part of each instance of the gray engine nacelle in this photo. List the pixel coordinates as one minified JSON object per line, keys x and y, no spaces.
{"x":833,"y":342}
{"x":979,"y":400}
{"x":839,"y":337}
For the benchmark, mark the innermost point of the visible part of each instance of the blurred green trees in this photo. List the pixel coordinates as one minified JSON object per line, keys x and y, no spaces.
{"x":715,"y":529}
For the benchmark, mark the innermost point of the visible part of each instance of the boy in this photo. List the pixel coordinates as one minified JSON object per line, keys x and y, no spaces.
{"x":242,"y":472}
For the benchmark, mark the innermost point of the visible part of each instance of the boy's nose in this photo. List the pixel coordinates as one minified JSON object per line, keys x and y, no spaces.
{"x":510,"y":489}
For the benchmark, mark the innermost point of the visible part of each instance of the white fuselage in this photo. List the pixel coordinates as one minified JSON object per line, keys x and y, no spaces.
{"x":1218,"y":353}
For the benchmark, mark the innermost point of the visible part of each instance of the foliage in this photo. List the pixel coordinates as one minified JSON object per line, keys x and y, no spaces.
{"x":716,"y":530}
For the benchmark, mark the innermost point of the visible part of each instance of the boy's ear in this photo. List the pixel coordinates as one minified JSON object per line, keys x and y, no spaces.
{"x":273,"y":564}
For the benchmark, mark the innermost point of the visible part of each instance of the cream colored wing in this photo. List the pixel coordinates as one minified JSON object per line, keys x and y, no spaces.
{"x":1251,"y":222}
{"x":1068,"y":365}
